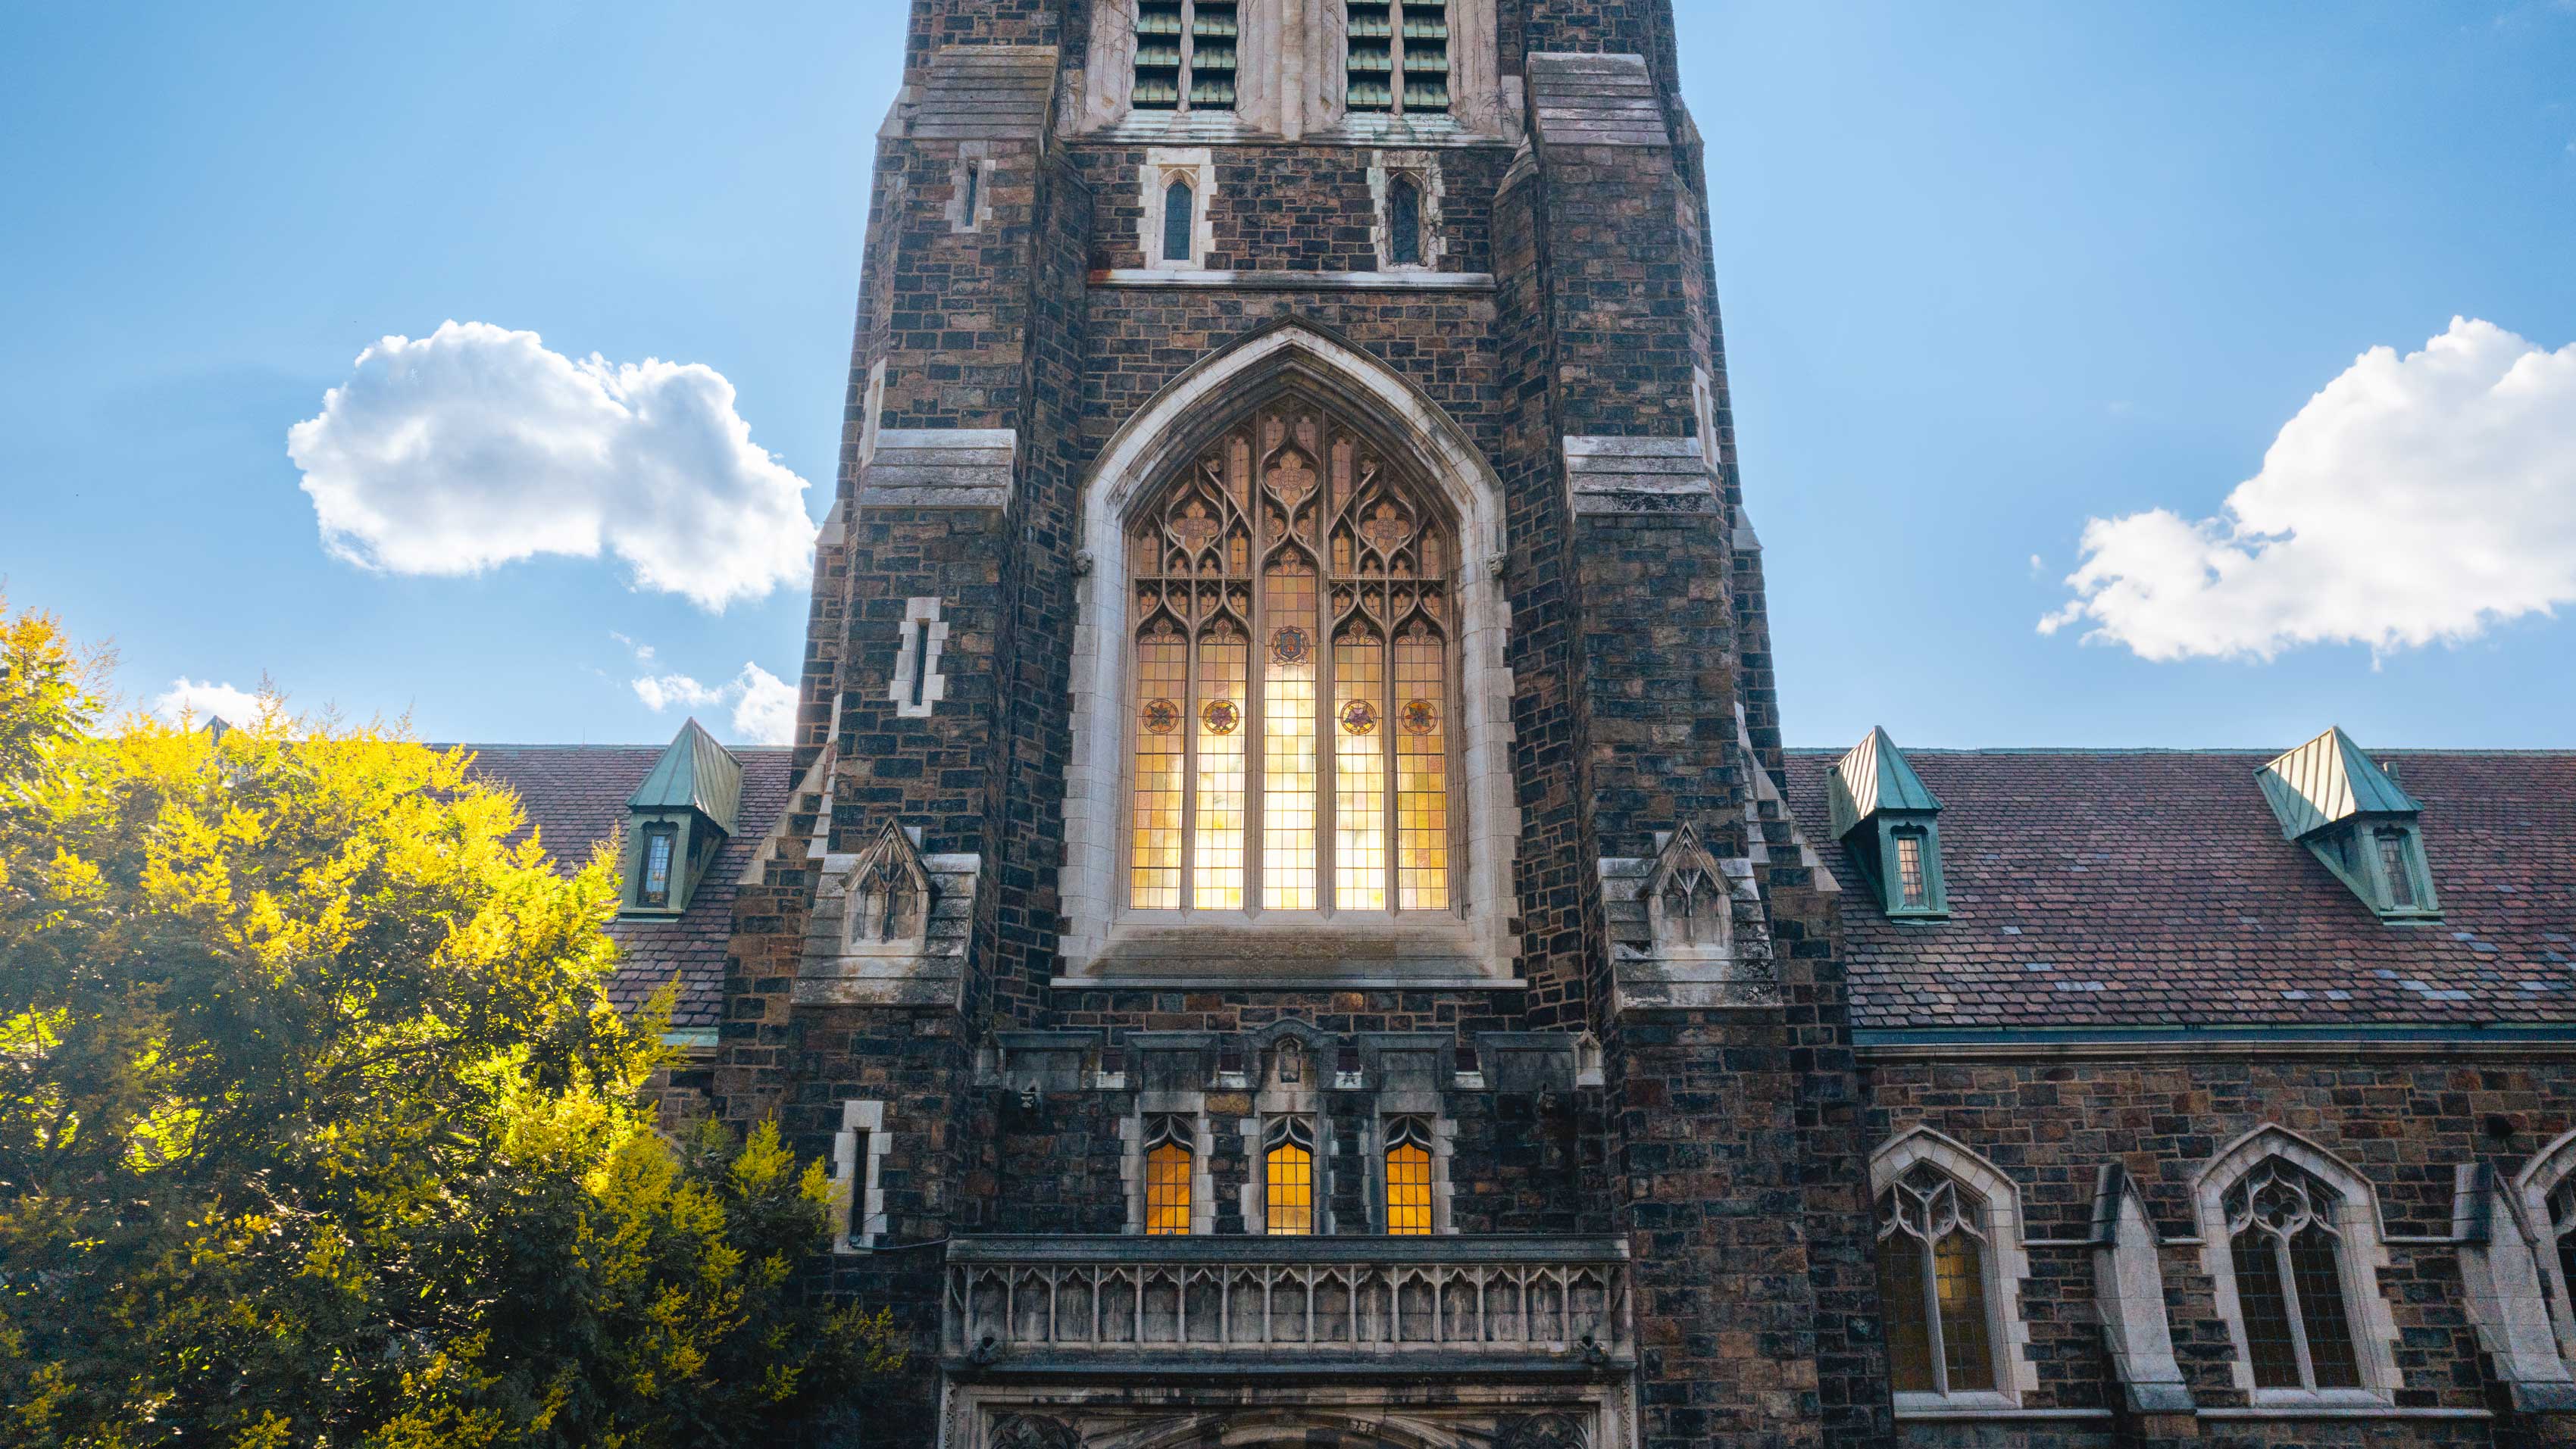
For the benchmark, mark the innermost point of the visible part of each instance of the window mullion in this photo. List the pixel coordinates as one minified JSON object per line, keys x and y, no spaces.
{"x":1190,"y":755}
{"x":1328,"y":762}
{"x":1189,"y":24}
{"x":1256,"y":688}
{"x":1932,"y":1316}
{"x":2290,"y":1301}
{"x":1395,"y":57}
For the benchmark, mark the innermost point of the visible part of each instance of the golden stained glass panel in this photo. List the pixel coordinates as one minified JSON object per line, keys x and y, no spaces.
{"x":1290,"y":1169}
{"x":1216,"y":866}
{"x":1167,"y":1190}
{"x":1408,"y":1189}
{"x":1421,"y":774}
{"x":1288,"y":764}
{"x":1359,"y":774}
{"x":1162,"y":696}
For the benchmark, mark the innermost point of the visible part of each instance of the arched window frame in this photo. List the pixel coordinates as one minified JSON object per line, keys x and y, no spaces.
{"x":2546,"y":1184}
{"x":1281,"y":1135}
{"x":2005,"y":1260}
{"x":1410,"y":1133}
{"x":1180,"y":1124}
{"x":2361,"y":1255}
{"x":1138,"y":460}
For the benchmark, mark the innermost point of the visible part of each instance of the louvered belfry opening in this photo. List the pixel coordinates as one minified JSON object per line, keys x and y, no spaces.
{"x":1294,"y":661}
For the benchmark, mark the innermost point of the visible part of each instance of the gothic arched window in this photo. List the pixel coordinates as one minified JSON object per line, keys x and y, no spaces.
{"x":1408,"y":1177}
{"x":1404,"y":222}
{"x":1934,"y":1271}
{"x":1169,"y":1165}
{"x":2287,"y":1251}
{"x":1288,"y":1179}
{"x":1293,"y":656}
{"x":1179,"y":222}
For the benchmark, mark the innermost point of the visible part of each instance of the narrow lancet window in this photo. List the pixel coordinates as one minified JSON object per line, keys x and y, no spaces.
{"x":1408,"y":1178}
{"x":1168,"y":1170}
{"x":1404,"y":222}
{"x":1293,"y":677}
{"x":1288,"y":1178}
{"x":1932,"y":1267}
{"x":2287,"y":1254}
{"x":1179,"y":221}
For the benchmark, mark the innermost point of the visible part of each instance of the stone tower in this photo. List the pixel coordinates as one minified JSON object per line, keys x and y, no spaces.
{"x":1287,"y":925}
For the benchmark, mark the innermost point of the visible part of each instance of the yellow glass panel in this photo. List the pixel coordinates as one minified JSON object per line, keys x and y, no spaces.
{"x":1288,"y":764}
{"x":1408,"y":1189}
{"x":1421,"y":774}
{"x":1359,"y":775}
{"x":1291,"y":1172}
{"x":1167,"y":1190}
{"x":1162,"y":699}
{"x":1216,"y":866}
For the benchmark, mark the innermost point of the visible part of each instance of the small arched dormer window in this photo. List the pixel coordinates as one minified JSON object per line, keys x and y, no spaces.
{"x":1180,"y":220}
{"x":1294,"y":655}
{"x":1404,"y":222}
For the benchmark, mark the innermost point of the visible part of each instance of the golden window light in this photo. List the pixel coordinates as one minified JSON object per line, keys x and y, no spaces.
{"x":1167,"y":1190}
{"x":1408,"y":1181}
{"x":1288,"y":1180}
{"x":1291,"y":742}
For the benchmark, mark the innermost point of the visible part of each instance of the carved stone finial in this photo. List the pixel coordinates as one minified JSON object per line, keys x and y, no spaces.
{"x":889,"y":902}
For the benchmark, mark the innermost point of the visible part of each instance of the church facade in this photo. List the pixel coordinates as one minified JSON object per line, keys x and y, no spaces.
{"x":1293,"y":920}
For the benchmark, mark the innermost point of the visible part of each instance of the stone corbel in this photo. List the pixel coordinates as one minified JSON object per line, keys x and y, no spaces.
{"x":2129,"y":1292}
{"x":2506,"y":1301}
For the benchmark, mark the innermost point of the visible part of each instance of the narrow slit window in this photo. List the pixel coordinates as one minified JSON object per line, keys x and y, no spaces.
{"x":1180,"y":222}
{"x":1397,"y":56}
{"x":1408,"y":1179}
{"x":973,"y":194}
{"x":654,"y":889}
{"x":1404,"y":222}
{"x":1185,"y":55}
{"x":856,"y":1229}
{"x":1933,"y":1265}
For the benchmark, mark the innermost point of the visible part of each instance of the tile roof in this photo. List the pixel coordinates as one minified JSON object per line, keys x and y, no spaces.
{"x":575,"y":795}
{"x":2153,"y":888}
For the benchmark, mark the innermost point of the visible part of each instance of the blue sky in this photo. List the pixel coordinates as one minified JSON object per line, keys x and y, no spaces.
{"x":1989,"y":272}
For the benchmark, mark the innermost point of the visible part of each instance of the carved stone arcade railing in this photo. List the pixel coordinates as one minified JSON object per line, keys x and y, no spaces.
{"x":1539,"y":1303}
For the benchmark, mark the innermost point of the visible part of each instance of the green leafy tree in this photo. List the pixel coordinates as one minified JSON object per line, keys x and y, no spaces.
{"x":317,"y":1128}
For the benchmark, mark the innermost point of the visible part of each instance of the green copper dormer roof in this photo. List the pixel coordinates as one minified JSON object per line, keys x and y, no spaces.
{"x":695,"y":773}
{"x":2328,"y":780}
{"x":1873,"y":778}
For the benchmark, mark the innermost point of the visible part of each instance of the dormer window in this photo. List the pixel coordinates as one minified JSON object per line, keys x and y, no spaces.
{"x":1890,"y":821}
{"x":1185,"y":55}
{"x":655,"y":889}
{"x":677,"y":820}
{"x":1911,"y":893}
{"x":2357,"y":821}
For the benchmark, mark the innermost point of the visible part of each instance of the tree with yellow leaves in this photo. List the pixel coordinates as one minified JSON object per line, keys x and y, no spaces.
{"x":317,"y":1128}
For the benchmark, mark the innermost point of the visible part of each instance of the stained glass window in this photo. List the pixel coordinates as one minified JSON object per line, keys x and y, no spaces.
{"x":1180,"y":221}
{"x":1408,"y":1178}
{"x":1293,"y":668}
{"x":2286,"y":1250}
{"x":1167,"y":1187}
{"x":1932,"y":1285}
{"x":1288,"y":1177}
{"x":1404,"y":222}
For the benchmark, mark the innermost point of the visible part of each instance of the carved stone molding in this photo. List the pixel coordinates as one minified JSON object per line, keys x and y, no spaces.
{"x":1033,"y":1431}
{"x":1540,"y":1431}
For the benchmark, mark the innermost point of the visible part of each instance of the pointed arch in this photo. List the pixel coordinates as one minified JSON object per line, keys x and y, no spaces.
{"x":1290,"y":358}
{"x":1998,"y":1224}
{"x":2360,"y":1252}
{"x":2546,"y":1187}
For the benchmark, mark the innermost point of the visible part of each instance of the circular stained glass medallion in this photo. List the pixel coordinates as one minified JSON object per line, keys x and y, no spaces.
{"x":1221,"y":716}
{"x":1420,"y":717}
{"x":1162,"y":716}
{"x":1359,"y":717}
{"x":1291,"y":645}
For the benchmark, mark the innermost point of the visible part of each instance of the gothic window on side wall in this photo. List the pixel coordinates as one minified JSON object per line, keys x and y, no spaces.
{"x":2288,"y":1255}
{"x":1936,"y":1275}
{"x":1293,"y":667}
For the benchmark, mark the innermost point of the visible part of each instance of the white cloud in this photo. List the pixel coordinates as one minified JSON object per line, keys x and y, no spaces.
{"x":764,"y":705}
{"x":476,"y":446}
{"x":2415,"y":499}
{"x":198,"y":702}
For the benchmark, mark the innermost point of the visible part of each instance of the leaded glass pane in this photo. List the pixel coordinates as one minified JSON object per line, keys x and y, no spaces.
{"x":1288,"y":741}
{"x":1960,"y":1274}
{"x":1217,"y":830}
{"x":1359,"y":774}
{"x":2266,"y":1310}
{"x":1167,"y":1190}
{"x":1900,"y":1299}
{"x":1290,"y":1170}
{"x":2321,"y":1310}
{"x":1162,"y":693}
{"x":1408,"y":1189}
{"x":1178,"y":221}
{"x":1421,"y":773}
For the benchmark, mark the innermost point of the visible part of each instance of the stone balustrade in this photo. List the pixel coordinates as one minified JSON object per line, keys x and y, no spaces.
{"x":1542,"y":1303}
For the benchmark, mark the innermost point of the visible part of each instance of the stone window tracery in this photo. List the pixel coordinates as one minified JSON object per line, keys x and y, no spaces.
{"x":1934,"y":1269}
{"x":2286,"y":1251}
{"x":1293,"y":672}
